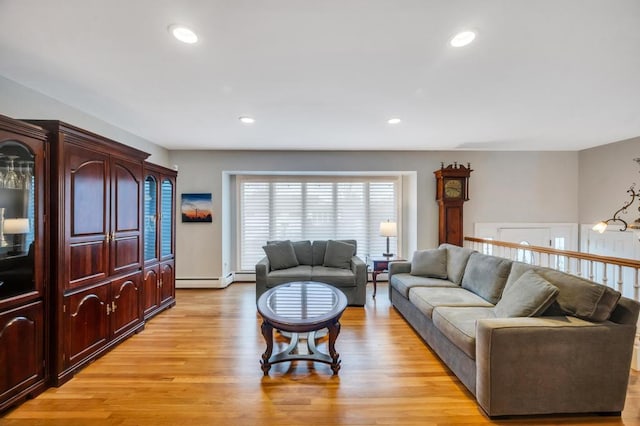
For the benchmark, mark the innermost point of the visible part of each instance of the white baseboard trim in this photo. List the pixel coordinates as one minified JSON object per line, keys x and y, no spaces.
{"x":198,"y":283}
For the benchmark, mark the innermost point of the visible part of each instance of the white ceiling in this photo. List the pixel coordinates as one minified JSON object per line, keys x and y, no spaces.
{"x":327,"y":74}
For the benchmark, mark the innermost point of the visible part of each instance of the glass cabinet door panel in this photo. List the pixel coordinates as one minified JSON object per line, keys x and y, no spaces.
{"x":166,"y":218}
{"x":150,"y":214}
{"x":17,"y":219}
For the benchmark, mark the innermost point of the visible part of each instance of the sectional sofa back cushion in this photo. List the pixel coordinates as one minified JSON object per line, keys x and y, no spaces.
{"x":430,"y":263}
{"x":319,"y":248}
{"x":577,"y":296}
{"x":486,"y":276}
{"x":528,"y":296}
{"x":303,"y":251}
{"x":338,"y":255}
{"x":457,"y":258}
{"x":281,"y":255}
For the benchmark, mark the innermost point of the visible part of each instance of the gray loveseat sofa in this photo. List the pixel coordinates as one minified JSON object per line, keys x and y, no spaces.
{"x":524,"y":340}
{"x":331,"y":262}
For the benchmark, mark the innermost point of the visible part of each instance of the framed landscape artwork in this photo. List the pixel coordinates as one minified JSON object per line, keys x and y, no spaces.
{"x":196,"y":208}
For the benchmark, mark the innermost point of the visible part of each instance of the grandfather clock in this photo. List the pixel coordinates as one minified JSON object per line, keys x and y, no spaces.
{"x":452,"y":190}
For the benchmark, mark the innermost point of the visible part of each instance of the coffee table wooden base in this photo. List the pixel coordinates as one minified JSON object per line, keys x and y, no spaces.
{"x":288,"y":354}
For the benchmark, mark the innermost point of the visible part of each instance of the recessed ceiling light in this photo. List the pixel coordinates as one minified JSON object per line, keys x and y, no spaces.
{"x":183,"y":33}
{"x":247,"y":120}
{"x":394,"y":121}
{"x":463,"y":38}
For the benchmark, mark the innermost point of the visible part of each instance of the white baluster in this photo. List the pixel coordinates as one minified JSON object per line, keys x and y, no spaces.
{"x":620,"y":278}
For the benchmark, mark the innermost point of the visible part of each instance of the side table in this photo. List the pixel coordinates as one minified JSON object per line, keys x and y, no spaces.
{"x":379,"y":266}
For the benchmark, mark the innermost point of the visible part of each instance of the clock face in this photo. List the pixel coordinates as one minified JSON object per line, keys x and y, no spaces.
{"x":453,"y":188}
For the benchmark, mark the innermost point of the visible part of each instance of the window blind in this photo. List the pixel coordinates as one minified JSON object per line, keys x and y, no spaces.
{"x":315,"y":208}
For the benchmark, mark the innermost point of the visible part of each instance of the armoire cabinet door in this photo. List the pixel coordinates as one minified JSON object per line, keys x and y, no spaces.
{"x":21,"y":349}
{"x":126,"y":215}
{"x":151,"y":289}
{"x":126,"y":293}
{"x":167,"y":218}
{"x":86,"y":215}
{"x":167,"y":276}
{"x":87,"y":322}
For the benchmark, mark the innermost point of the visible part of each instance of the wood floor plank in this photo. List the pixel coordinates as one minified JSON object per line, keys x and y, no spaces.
{"x":198,"y":364}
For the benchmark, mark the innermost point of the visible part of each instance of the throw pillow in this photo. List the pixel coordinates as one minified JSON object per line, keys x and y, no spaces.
{"x":281,"y":255}
{"x":528,"y":296}
{"x":430,"y":263}
{"x":338,"y":255}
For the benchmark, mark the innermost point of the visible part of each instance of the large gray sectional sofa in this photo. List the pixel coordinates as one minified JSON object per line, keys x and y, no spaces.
{"x":570,"y":352}
{"x":332,"y":262}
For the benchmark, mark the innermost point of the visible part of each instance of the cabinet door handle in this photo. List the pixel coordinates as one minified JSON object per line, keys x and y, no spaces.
{"x":108,"y":309}
{"x":113,"y":306}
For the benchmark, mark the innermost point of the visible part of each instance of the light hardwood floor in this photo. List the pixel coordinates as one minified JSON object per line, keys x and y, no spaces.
{"x":198,"y":364}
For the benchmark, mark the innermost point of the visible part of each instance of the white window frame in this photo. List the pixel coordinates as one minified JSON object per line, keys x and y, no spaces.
{"x":329,"y":177}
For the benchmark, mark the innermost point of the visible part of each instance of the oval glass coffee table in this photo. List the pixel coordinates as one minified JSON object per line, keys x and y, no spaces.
{"x":301,"y":307}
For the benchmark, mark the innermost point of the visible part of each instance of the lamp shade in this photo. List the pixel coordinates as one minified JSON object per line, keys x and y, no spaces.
{"x":16,"y":226}
{"x":388,"y":229}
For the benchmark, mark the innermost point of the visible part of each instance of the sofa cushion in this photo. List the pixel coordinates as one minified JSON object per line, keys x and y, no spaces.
{"x":338,"y":255}
{"x":486,"y":276}
{"x":528,"y":296}
{"x":458,"y":324}
{"x":319,"y":248}
{"x":304,"y":254}
{"x":281,"y":255}
{"x":457,"y":258}
{"x":577,"y":296}
{"x":430,"y":263}
{"x":335,"y":276}
{"x":281,"y":276}
{"x":427,"y":298}
{"x":404,"y":282}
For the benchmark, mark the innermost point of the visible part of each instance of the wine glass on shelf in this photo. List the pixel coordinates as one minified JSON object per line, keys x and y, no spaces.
{"x":11,"y":179}
{"x":1,"y":173}
{"x":27,"y":174}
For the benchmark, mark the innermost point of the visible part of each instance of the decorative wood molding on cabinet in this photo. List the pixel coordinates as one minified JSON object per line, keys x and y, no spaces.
{"x":97,"y":241}
{"x":24,"y":263}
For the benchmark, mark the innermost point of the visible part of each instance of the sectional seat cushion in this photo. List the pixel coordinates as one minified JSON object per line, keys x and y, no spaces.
{"x":486,"y":276}
{"x":528,"y":296}
{"x":428,"y":298}
{"x":404,"y":282}
{"x":458,"y":324}
{"x":430,"y":263}
{"x":457,"y":258}
{"x":281,"y":255}
{"x":577,"y":296}
{"x":338,"y":255}
{"x":337,"y":276}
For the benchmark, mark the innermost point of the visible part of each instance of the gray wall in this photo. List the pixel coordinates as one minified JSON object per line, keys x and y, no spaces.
{"x":505,"y":187}
{"x":17,"y":101}
{"x":605,"y":173}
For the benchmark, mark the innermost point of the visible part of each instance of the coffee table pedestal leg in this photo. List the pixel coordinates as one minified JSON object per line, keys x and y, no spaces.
{"x":334,"y":330}
{"x":267,"y":332}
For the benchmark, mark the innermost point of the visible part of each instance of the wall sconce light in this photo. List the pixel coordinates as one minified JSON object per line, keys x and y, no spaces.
{"x":388,"y":229}
{"x":635,"y":225}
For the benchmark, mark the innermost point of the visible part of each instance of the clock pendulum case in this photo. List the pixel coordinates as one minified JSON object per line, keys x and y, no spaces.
{"x":452,"y":190}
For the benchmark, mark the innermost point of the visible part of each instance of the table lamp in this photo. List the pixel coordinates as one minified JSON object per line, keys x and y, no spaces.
{"x":388,"y":229}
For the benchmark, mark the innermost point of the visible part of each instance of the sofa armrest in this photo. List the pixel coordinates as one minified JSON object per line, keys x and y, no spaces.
{"x":262,"y":271}
{"x":359,"y":268}
{"x":399,"y":267}
{"x":546,"y":365}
